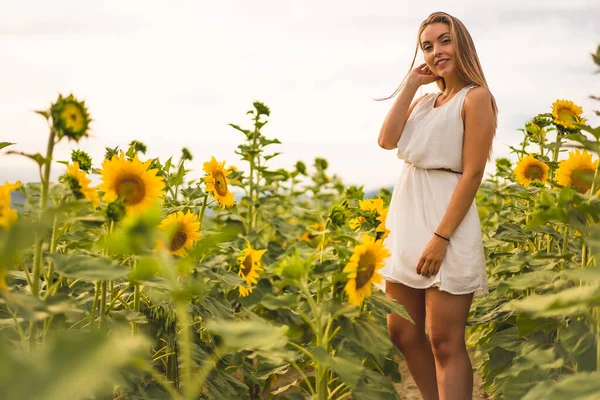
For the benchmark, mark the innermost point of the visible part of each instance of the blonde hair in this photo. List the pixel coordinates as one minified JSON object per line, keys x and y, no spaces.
{"x":467,"y":61}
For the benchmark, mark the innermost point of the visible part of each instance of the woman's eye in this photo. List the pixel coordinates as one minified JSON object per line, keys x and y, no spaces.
{"x":446,"y":41}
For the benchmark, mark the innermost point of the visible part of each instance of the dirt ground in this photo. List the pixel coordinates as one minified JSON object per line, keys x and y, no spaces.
{"x":408,"y":389}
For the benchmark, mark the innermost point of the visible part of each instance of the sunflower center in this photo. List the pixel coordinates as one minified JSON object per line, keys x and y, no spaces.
{"x":566,"y":115}
{"x":366,"y":268}
{"x":247,"y":264}
{"x":178,"y":240}
{"x":582,"y":178}
{"x":220,"y":184}
{"x":534,"y":172}
{"x":131,"y":189}
{"x":72,"y":116}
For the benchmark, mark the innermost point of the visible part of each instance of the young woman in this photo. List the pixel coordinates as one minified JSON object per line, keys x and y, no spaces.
{"x":437,"y":262}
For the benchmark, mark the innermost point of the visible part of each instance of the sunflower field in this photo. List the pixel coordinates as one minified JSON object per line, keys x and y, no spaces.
{"x":257,"y":283}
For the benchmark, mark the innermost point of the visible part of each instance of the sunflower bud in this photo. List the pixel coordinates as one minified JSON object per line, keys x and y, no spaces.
{"x":355,"y":192}
{"x":70,"y":118}
{"x":261,"y":109}
{"x":321,"y":164}
{"x":542,"y":121}
{"x":293,"y":266}
{"x":83,"y":158}
{"x":502,"y":163}
{"x":301,"y":168}
{"x":537,"y":183}
{"x":186,"y":154}
{"x":110,"y":153}
{"x":339,"y":213}
{"x":136,"y":147}
{"x":116,"y":211}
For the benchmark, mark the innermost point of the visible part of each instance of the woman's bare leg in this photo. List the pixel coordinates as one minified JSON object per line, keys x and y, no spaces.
{"x":411,"y":339}
{"x":446,"y":317}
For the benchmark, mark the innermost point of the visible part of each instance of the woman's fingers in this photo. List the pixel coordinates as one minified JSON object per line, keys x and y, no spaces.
{"x":428,"y":268}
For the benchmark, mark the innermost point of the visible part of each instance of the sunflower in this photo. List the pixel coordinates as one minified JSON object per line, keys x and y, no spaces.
{"x":381,"y":227}
{"x":308,"y":236}
{"x":70,"y":117}
{"x":566,"y":114}
{"x":217,"y":182}
{"x":8,"y":216}
{"x":529,"y":169}
{"x":249,"y":263}
{"x":537,"y":132}
{"x":372,"y":205}
{"x":354,"y":223}
{"x":79,"y":183}
{"x":577,"y":171}
{"x":131,"y":181}
{"x":183,"y":230}
{"x":367,"y":258}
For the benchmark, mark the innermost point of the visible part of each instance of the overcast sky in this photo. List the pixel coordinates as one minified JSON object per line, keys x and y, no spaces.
{"x":174,"y":73}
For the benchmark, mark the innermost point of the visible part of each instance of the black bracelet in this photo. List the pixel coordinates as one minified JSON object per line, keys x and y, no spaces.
{"x":441,"y":236}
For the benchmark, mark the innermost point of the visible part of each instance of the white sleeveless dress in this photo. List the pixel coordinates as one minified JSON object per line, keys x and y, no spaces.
{"x":433,"y":138}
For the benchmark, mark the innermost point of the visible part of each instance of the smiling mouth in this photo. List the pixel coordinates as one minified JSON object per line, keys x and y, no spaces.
{"x":441,"y":62}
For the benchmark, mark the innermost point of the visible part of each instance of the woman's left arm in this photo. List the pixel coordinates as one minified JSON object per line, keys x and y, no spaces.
{"x":479,"y":134}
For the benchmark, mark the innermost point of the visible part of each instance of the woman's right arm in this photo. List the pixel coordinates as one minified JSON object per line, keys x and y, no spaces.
{"x":394,"y":122}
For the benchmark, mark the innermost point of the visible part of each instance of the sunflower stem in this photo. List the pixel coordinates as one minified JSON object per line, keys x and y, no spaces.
{"x":304,"y":378}
{"x":103,"y":287}
{"x":37,"y":253}
{"x":593,"y":188}
{"x":556,"y":149}
{"x":565,"y":240}
{"x":49,"y":287}
{"x":53,"y":245}
{"x":94,"y":305}
{"x":323,"y":241}
{"x":184,"y":336}
{"x":37,"y":260}
{"x":136,"y":306}
{"x":202,"y":210}
{"x":320,"y":369}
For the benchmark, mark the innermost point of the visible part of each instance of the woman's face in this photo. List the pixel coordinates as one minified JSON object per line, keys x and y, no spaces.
{"x":438,"y":49}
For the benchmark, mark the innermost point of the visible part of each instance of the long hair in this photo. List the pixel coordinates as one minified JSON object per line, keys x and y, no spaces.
{"x":467,"y":61}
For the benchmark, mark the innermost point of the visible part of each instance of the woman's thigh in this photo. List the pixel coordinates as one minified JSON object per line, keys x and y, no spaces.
{"x":446,"y":315}
{"x":413,"y":301}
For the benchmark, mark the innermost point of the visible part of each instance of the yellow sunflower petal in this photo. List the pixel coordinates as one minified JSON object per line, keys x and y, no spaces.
{"x":8,"y":216}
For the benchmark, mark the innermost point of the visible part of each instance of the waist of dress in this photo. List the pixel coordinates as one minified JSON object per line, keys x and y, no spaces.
{"x":437,"y":169}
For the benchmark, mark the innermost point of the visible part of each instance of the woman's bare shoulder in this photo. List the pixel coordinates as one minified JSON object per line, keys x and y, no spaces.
{"x":478,"y":93}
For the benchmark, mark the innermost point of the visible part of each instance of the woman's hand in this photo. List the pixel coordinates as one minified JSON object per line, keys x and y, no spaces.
{"x":431,"y":259}
{"x":422,"y":75}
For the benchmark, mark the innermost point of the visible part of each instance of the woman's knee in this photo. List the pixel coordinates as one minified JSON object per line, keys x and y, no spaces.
{"x":445,"y":345}
{"x":406,"y":335}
